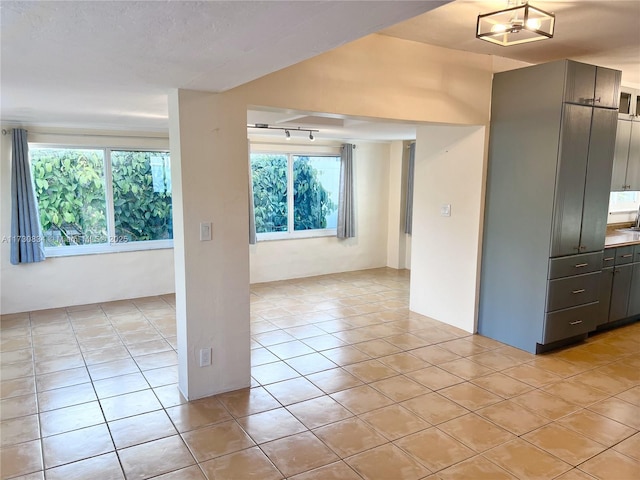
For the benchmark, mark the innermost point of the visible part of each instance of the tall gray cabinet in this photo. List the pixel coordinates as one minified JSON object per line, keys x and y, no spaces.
{"x":552,"y":138}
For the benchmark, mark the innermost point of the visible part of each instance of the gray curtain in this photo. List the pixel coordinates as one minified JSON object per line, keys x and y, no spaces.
{"x":346,"y":215}
{"x":408,"y":211}
{"x":252,"y":213}
{"x":26,"y":233}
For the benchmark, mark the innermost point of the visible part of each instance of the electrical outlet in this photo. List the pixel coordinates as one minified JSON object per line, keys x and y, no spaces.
{"x":445,"y":210}
{"x":205,"y":231}
{"x":205,"y":357}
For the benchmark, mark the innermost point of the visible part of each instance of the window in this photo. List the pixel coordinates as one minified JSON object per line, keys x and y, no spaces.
{"x":295,"y":195}
{"x":623,"y":202}
{"x":95,"y":200}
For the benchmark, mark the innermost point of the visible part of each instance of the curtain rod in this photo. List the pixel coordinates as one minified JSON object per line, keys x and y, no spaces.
{"x":68,"y":134}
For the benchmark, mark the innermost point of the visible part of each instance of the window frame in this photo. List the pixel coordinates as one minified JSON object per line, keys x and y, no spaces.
{"x":291,"y":233}
{"x":112,"y":246}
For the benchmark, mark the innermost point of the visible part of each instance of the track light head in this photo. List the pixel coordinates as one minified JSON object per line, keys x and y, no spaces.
{"x":311,"y":137}
{"x":287,"y":134}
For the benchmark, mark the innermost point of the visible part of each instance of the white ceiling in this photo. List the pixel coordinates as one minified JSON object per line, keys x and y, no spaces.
{"x":109,"y":64}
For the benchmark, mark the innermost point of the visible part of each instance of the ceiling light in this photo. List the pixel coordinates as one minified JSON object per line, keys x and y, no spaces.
{"x":287,"y":134}
{"x":519,"y":23}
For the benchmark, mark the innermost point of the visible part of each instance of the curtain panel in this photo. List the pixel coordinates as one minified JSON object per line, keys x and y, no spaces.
{"x":346,"y":202}
{"x":408,"y":211}
{"x":26,"y":233}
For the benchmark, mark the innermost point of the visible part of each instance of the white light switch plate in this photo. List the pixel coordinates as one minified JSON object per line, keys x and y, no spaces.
{"x":205,"y":231}
{"x":445,"y":210}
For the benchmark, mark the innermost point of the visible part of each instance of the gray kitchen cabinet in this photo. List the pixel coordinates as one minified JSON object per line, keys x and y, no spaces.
{"x":620,"y":292}
{"x":548,"y":182}
{"x":626,"y":160}
{"x":604,"y":297}
{"x":634,"y":293}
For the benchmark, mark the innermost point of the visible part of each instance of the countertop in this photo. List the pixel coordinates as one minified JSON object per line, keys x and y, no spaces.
{"x":620,"y":238}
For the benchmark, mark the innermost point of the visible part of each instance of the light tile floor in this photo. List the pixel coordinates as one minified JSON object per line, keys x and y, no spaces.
{"x":347,"y":384}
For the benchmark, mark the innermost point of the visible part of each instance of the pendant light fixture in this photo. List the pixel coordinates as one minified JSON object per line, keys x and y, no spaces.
{"x":516,"y":24}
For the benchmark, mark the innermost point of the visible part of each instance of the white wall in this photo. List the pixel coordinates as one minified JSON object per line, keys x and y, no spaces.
{"x":446,"y":250}
{"x":282,"y":259}
{"x":81,"y":279}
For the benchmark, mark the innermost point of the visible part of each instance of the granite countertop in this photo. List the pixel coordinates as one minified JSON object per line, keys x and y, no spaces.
{"x":618,"y":237}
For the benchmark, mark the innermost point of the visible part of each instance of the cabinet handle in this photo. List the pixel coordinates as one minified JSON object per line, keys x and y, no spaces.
{"x":608,"y":259}
{"x":582,"y":247}
{"x":577,"y":322}
{"x":627,"y":255}
{"x":582,"y":265}
{"x":575,"y":292}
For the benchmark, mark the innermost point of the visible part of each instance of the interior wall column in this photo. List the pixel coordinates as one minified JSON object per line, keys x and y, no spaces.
{"x":209,"y":169}
{"x":396,"y":238}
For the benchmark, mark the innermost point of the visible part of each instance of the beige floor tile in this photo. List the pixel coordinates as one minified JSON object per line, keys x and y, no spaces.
{"x":17,"y":370}
{"x":632,"y":396}
{"x":476,"y":432}
{"x":370,"y":371}
{"x":334,"y":380}
{"x":345,"y":355}
{"x":157,"y":360}
{"x":323,"y":342}
{"x":198,"y":413}
{"x":502,"y":385}
{"x":545,"y":404}
{"x":286,"y":350}
{"x":361,"y":399}
{"x":70,"y":418}
{"x":630,"y":447}
{"x":275,"y":337}
{"x":404,"y":362}
{"x":21,"y":459}
{"x":434,"y":449}
{"x":113,"y":369}
{"x":334,"y":471}
{"x":475,"y":468}
{"x":273,"y":372}
{"x":394,"y":421}
{"x":217,"y":440}
{"x":434,"y":378}
{"x":18,"y":407}
{"x":465,"y":368}
{"x":298,"y":453}
{"x":526,"y":461}
{"x":400,"y":388}
{"x":65,"y":378}
{"x":169,"y":395}
{"x":66,"y":397}
{"x":190,"y":473}
{"x":17,"y":387}
{"x":248,"y":401}
{"x":434,"y":408}
{"x":311,"y":363}
{"x":575,"y":474}
{"x":619,"y":410}
{"x":513,"y":417}
{"x":470,"y":396}
{"x":612,"y":465}
{"x":557,"y":366}
{"x":596,"y":427}
{"x":63,"y":448}
{"x":161,"y":376}
{"x":319,"y":411}
{"x":463,"y":347}
{"x":8,"y":344}
{"x":271,"y":425}
{"x":563,"y":443}
{"x":349,"y":437}
{"x":154,"y":458}
{"x":603,"y":381}
{"x":385,"y":462}
{"x":576,"y":392}
{"x":107,"y":465}
{"x":534,"y":376}
{"x":293,"y":391}
{"x":19,"y":430}
{"x":117,"y":352}
{"x":141,"y":428}
{"x":250,"y":464}
{"x":377,"y":348}
{"x":129,"y":404}
{"x":262,"y":356}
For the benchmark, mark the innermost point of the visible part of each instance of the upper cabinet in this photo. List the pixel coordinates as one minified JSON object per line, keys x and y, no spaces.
{"x":591,"y":85}
{"x":626,"y":162}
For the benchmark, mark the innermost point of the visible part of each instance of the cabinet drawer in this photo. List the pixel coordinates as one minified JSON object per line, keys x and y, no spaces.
{"x":575,"y":265}
{"x":570,"y":322}
{"x":572,"y":291}
{"x":624,"y":255}
{"x":609,"y":258}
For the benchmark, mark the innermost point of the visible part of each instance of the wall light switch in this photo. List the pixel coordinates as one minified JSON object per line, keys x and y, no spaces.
{"x":205,"y":231}
{"x":445,"y":210}
{"x":205,"y":357}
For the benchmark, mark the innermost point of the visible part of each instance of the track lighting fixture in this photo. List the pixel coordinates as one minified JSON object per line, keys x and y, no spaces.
{"x":287,"y":131}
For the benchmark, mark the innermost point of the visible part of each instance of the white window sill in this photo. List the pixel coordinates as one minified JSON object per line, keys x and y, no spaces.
{"x":68,"y":251}
{"x":297,"y":235}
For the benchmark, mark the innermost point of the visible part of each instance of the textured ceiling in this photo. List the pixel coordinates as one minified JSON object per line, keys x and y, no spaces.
{"x":109,"y":64}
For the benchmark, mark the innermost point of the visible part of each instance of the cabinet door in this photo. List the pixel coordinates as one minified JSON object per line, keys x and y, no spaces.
{"x":634,"y":292}
{"x":595,"y":208}
{"x":580,"y":83}
{"x":570,"y":180}
{"x":633,"y":164}
{"x":604,"y":297}
{"x":607,"y":92}
{"x":620,"y":156}
{"x":620,"y":292}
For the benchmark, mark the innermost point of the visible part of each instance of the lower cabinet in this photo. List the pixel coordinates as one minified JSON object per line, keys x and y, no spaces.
{"x":619,"y":288}
{"x":634,"y":293}
{"x":620,"y":292}
{"x":604,"y":297}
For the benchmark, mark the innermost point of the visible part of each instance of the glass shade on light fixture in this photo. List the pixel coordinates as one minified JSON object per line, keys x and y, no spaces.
{"x":515,"y":25}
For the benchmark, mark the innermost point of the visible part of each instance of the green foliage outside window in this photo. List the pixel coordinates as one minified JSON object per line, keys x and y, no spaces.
{"x":312,"y":203}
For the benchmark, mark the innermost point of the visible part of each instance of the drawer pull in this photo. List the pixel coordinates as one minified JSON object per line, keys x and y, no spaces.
{"x":582,"y":265}
{"x":577,"y":322}
{"x":608,"y":259}
{"x":575,"y":292}
{"x":628,"y":255}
